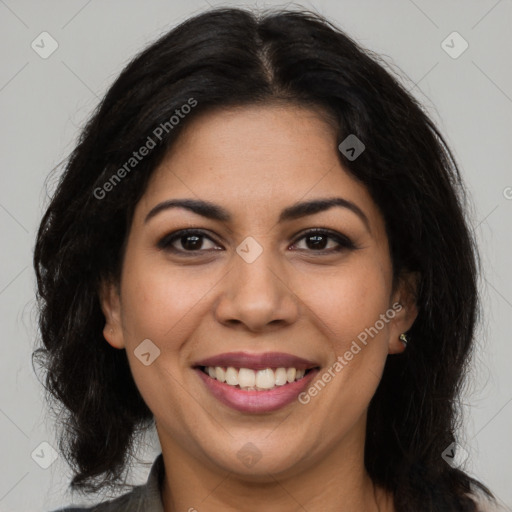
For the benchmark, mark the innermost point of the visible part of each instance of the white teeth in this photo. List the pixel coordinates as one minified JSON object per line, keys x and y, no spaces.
{"x":220,"y":374}
{"x":231,"y":376}
{"x":246,"y":378}
{"x":290,"y":374}
{"x":249,"y":379}
{"x":265,"y":379}
{"x":281,"y":377}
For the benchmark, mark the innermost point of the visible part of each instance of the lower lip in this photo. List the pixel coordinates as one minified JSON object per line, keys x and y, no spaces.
{"x":257,"y":401}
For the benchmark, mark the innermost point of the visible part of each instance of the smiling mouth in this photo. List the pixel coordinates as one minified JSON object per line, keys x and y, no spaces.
{"x":247,"y":379}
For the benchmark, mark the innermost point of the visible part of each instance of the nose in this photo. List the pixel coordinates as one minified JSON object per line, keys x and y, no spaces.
{"x":256,"y":296}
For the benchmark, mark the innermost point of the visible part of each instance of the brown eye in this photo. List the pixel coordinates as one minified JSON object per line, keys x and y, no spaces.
{"x":316,"y":241}
{"x":321,"y":240}
{"x":186,"y":241}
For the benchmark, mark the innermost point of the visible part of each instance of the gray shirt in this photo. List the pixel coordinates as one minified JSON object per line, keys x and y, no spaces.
{"x":143,"y":498}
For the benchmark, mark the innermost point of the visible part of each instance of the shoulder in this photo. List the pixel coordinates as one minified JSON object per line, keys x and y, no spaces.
{"x":127,"y":502}
{"x":142,"y":497}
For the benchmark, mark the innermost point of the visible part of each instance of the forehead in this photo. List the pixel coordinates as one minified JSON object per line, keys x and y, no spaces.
{"x":259,"y":137}
{"x":256,"y":159}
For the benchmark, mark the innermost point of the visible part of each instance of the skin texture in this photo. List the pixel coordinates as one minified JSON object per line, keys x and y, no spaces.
{"x":255,"y":161}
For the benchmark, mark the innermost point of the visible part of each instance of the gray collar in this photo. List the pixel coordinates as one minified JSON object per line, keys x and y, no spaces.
{"x":153,"y":495}
{"x":143,"y":498}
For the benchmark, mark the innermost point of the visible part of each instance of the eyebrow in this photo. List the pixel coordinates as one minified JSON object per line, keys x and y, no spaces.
{"x":297,"y":210}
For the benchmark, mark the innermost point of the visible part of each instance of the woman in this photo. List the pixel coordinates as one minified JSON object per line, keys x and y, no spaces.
{"x":259,"y":247}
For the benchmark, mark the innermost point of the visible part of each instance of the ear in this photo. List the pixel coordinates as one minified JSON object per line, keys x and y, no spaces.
{"x":404,"y":303}
{"x":110,"y":301}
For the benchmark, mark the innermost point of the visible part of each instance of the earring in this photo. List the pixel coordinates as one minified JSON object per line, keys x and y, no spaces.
{"x":403,"y":338}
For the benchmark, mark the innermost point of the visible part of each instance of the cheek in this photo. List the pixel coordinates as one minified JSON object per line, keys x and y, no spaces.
{"x":159,"y":301}
{"x":161,"y":304}
{"x":348,"y":300}
{"x":348,"y":307}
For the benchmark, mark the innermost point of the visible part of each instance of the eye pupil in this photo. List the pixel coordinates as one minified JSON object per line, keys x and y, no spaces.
{"x":191,"y":242}
{"x":318,"y":241}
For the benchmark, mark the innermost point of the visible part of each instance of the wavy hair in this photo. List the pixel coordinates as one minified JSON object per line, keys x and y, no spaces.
{"x":229,"y":57}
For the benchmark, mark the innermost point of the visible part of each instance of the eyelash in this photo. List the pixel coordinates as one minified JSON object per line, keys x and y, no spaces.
{"x":344,"y":243}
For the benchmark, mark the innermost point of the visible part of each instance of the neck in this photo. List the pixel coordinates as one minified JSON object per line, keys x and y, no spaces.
{"x":337,"y":481}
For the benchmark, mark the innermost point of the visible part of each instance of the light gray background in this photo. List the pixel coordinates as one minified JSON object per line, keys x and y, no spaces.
{"x":44,"y":102}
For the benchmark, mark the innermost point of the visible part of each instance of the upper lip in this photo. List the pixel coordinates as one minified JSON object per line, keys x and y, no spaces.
{"x":257,"y":361}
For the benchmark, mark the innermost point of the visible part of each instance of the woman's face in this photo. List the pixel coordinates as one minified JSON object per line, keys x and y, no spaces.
{"x":254,"y":282}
